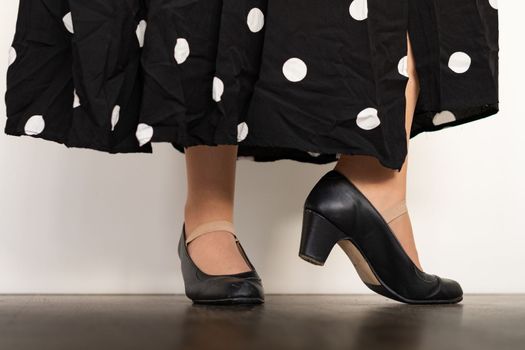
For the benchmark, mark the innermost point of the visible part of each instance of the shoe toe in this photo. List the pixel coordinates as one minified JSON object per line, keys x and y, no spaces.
{"x":229,"y":289}
{"x":450,"y":290}
{"x":247,"y":289}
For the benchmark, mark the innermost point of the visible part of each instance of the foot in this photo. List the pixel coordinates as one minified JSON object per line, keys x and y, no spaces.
{"x":216,"y":253}
{"x":401,"y":226}
{"x":383,"y":191}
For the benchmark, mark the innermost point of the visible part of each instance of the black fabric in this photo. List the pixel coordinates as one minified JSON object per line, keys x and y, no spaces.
{"x":284,"y":79}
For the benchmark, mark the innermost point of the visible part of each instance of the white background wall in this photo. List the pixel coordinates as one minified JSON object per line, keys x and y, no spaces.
{"x":79,"y":221}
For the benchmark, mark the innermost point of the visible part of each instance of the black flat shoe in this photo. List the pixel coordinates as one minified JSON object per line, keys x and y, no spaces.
{"x":335,"y":211}
{"x":201,"y":288}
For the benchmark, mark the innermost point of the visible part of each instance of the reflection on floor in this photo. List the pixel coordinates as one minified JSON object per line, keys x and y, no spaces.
{"x":322,"y":322}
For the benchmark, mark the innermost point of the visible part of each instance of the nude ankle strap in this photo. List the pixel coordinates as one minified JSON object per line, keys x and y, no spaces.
{"x":394,"y":212}
{"x":211,"y":226}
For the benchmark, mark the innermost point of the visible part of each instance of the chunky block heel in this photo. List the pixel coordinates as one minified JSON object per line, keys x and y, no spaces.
{"x":318,"y":237}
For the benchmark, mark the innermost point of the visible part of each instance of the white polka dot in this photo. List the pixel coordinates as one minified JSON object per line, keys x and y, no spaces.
{"x":295,"y":69}
{"x":144,"y":133}
{"x":12,"y":55}
{"x":252,"y":158}
{"x":115,"y":116}
{"x":402,"y":66}
{"x":242,"y":131}
{"x":443,"y":118}
{"x":255,"y":20}
{"x":368,"y":119}
{"x":459,"y":62}
{"x":182,"y":50}
{"x":141,"y":32}
{"x":76,"y":99}
{"x":494,"y":4}
{"x":314,"y":154}
{"x":359,"y":10}
{"x":35,"y":125}
{"x":68,"y":23}
{"x":218,"y":89}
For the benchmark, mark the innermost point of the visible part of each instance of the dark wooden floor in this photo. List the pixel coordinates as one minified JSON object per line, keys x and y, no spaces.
{"x":43,"y":322}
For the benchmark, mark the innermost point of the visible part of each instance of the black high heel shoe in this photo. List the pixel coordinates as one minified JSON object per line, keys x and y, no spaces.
{"x":335,"y":211}
{"x":201,"y":288}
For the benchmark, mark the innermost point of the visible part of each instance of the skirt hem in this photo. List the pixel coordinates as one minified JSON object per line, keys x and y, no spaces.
{"x":269,"y":153}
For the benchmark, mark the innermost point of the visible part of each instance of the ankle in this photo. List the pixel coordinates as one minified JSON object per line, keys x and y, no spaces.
{"x":364,"y":169}
{"x":197,"y":214}
{"x":382,"y":190}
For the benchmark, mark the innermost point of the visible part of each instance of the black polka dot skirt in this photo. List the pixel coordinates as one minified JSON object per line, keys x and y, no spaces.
{"x":303,"y":80}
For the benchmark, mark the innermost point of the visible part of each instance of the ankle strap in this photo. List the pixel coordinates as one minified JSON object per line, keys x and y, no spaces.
{"x":211,"y":226}
{"x":395,"y":211}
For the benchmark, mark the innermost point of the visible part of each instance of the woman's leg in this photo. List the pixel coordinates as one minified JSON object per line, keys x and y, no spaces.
{"x":210,"y":197}
{"x":386,"y":187}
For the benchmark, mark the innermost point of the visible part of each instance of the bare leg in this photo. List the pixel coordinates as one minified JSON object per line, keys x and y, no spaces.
{"x":386,"y":187}
{"x":211,"y":189}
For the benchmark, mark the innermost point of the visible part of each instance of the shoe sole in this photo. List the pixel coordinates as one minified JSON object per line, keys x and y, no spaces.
{"x":230,"y":301}
{"x":383,"y":289}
